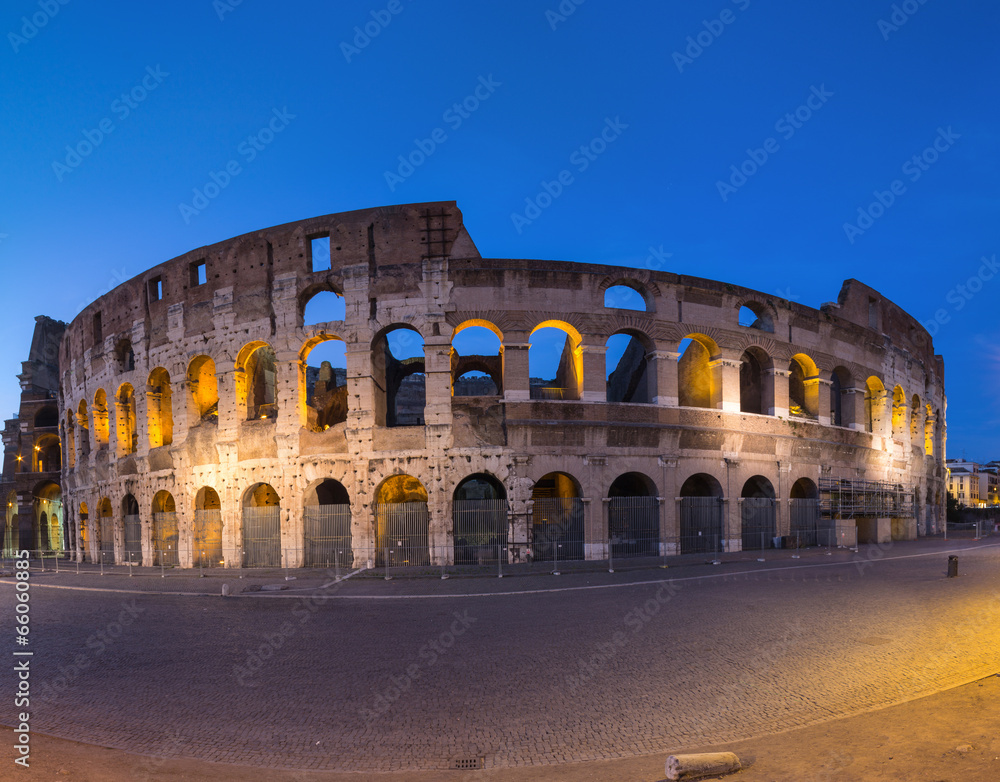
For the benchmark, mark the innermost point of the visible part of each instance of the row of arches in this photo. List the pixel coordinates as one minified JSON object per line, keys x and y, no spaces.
{"x":398,"y":529}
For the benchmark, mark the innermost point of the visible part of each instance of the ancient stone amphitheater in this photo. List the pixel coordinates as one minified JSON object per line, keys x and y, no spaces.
{"x":674,"y":414}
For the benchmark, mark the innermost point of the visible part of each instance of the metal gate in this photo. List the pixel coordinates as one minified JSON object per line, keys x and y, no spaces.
{"x":806,"y":525}
{"x":133,"y":540}
{"x":208,"y":538}
{"x":557,"y":528}
{"x":262,"y":536}
{"x":328,"y":536}
{"x":634,"y":526}
{"x":759,"y":523}
{"x":401,"y":534}
{"x":165,"y":539}
{"x":701,"y":525}
{"x":107,"y":534}
{"x":480,"y":531}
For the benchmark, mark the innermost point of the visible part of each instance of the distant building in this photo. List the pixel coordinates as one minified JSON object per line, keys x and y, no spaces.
{"x":974,"y":485}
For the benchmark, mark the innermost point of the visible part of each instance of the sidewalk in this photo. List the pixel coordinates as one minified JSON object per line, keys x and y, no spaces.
{"x":954,"y":735}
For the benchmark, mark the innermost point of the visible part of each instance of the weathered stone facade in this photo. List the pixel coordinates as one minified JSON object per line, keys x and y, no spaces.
{"x":146,"y":418}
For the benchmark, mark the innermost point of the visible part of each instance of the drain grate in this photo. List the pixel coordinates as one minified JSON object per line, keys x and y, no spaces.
{"x":467,"y":764}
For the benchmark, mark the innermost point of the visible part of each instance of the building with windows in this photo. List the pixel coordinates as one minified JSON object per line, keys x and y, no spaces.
{"x":480,"y":408}
{"x":973,"y":485}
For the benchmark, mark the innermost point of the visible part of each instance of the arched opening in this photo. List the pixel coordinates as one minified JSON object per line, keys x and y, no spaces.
{"x":629,"y":375}
{"x":899,"y":409}
{"x":758,"y":514}
{"x":477,"y":360}
{"x":323,"y":368}
{"x":83,"y":516}
{"x":479,"y":520}
{"x":11,"y":532}
{"x":557,"y":517}
{"x":841,"y":398}
{"x":124,"y":355}
{"x":128,"y":437}
{"x":106,"y":531}
{"x":208,"y":528}
{"x":555,"y":362}
{"x":753,"y":315}
{"x":203,"y":390}
{"x":625,"y":297}
{"x":929,"y":421}
{"x":159,"y":410}
{"x":698,"y":383}
{"x":399,"y":376}
{"x":70,"y":439}
{"x":804,"y":509}
{"x":401,"y":522}
{"x":803,"y":387}
{"x":132,"y":524}
{"x":327,"y":521}
{"x":261,"y":527}
{"x":875,"y":397}
{"x":916,"y":422}
{"x":47,"y":417}
{"x":256,"y":381}
{"x":101,"y":418}
{"x":701,"y":511}
{"x":83,"y":423}
{"x":756,"y":382}
{"x":47,"y":454}
{"x":325,"y":306}
{"x":633,"y":516}
{"x":165,"y":535}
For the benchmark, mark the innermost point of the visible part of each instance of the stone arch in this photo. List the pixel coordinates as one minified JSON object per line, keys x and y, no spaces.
{"x":106,"y":530}
{"x":46,"y":417}
{"x":207,"y":532}
{"x":323,"y":399}
{"x":165,"y":536}
{"x":804,"y":512}
{"x":47,"y":454}
{"x":203,"y":390}
{"x":631,"y":376}
{"x":11,"y":531}
{"x":70,"y":439}
{"x":125,"y":419}
{"x":842,"y":403}
{"x":84,"y":532}
{"x":551,"y":377}
{"x":633,"y":516}
{"x":557,"y":517}
{"x":101,"y":429}
{"x":256,"y":381}
{"x":124,"y":355}
{"x":803,"y":387}
{"x":132,"y":529}
{"x":83,"y":424}
{"x":699,"y":382}
{"x":399,"y":380}
{"x":474,"y":372}
{"x":321,"y":304}
{"x":758,"y":514}
{"x":916,"y":415}
{"x":479,"y":520}
{"x":159,"y":408}
{"x":627,"y":295}
{"x":755,"y":315}
{"x":702,"y":526}
{"x":402,"y":522}
{"x":875,"y":402}
{"x":47,"y":517}
{"x":756,"y":381}
{"x":326,"y":516}
{"x":261,"y":526}
{"x":804,"y":489}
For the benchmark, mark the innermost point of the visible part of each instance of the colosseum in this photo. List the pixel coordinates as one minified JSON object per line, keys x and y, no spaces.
{"x":481,"y":410}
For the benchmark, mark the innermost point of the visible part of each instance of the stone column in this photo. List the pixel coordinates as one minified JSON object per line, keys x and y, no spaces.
{"x":780,"y":397}
{"x":853,"y":408}
{"x":595,"y":385}
{"x":437,"y":370}
{"x":818,"y":394}
{"x":516,"y":386}
{"x":230,"y":414}
{"x":663,"y":367}
{"x":669,"y":507}
{"x":726,"y":384}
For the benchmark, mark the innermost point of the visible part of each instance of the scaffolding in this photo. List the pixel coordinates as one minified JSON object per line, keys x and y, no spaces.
{"x":841,"y":498}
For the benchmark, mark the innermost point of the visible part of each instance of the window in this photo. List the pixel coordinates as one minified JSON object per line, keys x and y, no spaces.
{"x":319,"y":252}
{"x":199,"y":274}
{"x":98,"y":329}
{"x":156,"y":289}
{"x":873,"y":313}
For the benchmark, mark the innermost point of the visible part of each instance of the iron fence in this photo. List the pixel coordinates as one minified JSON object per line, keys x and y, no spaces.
{"x":208,"y":538}
{"x":165,"y":539}
{"x":633,"y":527}
{"x":807,"y":525}
{"x":401,"y":534}
{"x":133,"y":538}
{"x":701,"y":525}
{"x":262,"y":536}
{"x":481,"y":531}
{"x":759,"y":523}
{"x":106,"y":535}
{"x":557,"y":529}
{"x":328,"y":536}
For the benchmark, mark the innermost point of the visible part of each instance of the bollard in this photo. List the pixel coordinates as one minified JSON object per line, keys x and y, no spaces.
{"x":611,"y":562}
{"x":201,"y":570}
{"x":102,"y":563}
{"x":57,"y":563}
{"x":952,"y":566}
{"x":225,"y":590}
{"x":161,"y":566}
{"x":385,"y":554}
{"x":555,"y":558}
{"x":130,"y":567}
{"x":499,"y":560}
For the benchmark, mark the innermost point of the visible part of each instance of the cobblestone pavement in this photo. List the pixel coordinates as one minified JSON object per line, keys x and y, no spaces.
{"x":359,"y":676}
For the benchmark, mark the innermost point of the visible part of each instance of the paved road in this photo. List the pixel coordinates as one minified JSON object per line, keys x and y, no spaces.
{"x":337,"y":680}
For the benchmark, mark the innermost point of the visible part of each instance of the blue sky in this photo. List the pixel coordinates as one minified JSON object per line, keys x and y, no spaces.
{"x":200,"y":81}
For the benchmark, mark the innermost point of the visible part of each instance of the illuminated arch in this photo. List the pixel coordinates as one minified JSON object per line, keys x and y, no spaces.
{"x":699,"y":383}
{"x":203,"y":390}
{"x":159,"y":409}
{"x":567,"y":382}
